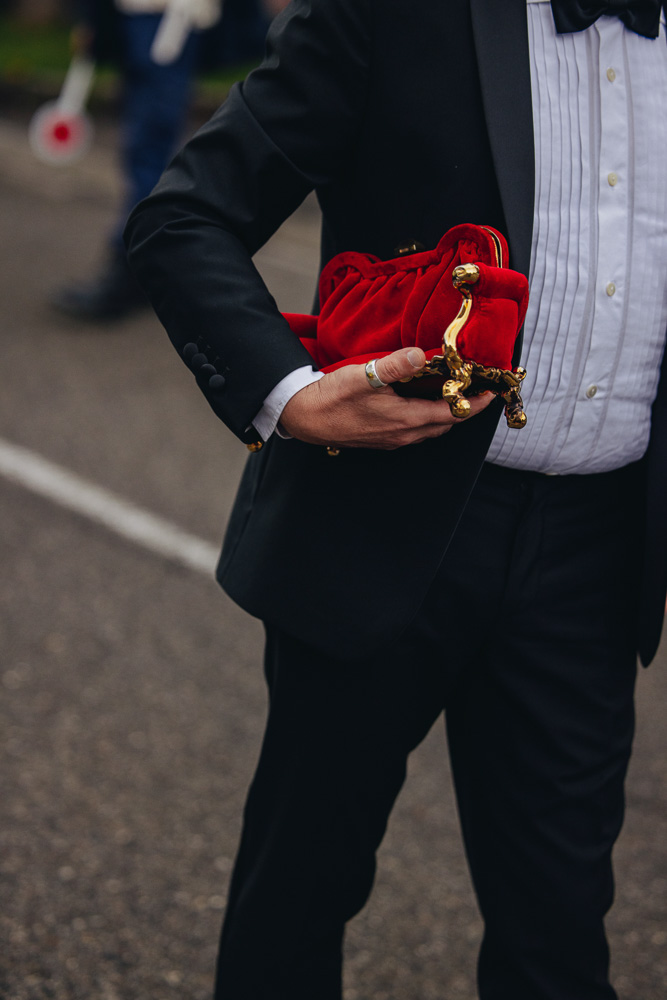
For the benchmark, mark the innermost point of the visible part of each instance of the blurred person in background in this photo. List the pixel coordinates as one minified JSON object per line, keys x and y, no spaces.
{"x":156,"y":97}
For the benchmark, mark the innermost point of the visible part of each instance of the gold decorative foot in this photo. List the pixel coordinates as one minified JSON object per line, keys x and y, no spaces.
{"x":514,"y":414}
{"x":454,"y":388}
{"x":452,"y":394}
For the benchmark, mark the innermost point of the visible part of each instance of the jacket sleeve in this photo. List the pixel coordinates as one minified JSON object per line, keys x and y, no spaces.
{"x":288,"y":129}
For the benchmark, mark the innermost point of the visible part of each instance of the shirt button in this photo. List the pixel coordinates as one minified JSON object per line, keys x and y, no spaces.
{"x":611,"y":288}
{"x":613,"y":179}
{"x":611,"y":75}
{"x":590,"y":392}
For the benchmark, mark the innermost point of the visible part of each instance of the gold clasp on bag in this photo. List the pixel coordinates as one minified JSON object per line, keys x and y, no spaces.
{"x":469,"y":375}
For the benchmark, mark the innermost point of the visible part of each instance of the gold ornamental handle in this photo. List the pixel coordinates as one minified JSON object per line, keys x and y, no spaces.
{"x":463,"y":277}
{"x":461,"y":375}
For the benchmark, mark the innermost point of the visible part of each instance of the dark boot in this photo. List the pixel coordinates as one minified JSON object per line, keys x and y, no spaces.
{"x":114,"y":294}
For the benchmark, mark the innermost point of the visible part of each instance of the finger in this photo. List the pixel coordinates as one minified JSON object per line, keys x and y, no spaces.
{"x":441,"y":412}
{"x":400,"y":364}
{"x":446,"y":419}
{"x":480,"y":402}
{"x":437,"y":412}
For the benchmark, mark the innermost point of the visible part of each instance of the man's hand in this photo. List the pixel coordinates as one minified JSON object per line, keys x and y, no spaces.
{"x":343,"y":410}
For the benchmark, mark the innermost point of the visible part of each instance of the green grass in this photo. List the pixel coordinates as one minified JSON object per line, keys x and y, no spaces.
{"x":37,"y":57}
{"x":28,"y":51}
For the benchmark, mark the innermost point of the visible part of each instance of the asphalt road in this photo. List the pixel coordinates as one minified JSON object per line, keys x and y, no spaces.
{"x":132,"y":696}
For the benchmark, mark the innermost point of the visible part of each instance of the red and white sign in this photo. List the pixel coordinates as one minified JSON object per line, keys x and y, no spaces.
{"x":60,"y":132}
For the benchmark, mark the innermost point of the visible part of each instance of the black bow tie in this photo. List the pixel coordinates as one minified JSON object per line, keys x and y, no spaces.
{"x":642,"y":16}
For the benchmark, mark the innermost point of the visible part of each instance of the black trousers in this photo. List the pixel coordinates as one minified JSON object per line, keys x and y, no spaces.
{"x":527,"y":641}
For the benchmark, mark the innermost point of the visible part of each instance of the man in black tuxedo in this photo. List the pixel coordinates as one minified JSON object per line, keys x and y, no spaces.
{"x":408,"y":575}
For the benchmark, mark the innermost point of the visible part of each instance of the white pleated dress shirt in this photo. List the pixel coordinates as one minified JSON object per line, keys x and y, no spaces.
{"x":595,"y":329}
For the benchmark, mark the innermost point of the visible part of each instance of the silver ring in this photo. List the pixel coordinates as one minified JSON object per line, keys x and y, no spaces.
{"x":374,"y":379}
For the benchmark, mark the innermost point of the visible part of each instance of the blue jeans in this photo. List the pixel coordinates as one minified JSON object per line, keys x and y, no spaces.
{"x":155,"y":106}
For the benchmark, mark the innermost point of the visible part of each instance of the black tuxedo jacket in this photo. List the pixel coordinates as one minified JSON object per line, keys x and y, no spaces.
{"x":406,"y":120}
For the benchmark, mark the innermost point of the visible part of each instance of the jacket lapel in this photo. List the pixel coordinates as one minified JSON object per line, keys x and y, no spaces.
{"x":500,"y":29}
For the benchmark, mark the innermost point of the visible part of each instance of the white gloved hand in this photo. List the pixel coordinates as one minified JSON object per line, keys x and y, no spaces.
{"x":204,"y":13}
{"x":179,"y":18}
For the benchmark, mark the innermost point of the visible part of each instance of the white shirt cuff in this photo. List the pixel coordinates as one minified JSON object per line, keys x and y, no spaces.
{"x":267,"y":419}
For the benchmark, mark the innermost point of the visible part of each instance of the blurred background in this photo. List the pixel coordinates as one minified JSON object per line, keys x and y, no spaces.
{"x":132,"y":699}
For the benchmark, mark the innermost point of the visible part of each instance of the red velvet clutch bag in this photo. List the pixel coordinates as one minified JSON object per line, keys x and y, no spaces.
{"x":459,"y":302}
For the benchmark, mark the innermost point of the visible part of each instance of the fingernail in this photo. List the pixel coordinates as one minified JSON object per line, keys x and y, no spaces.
{"x":415,"y":359}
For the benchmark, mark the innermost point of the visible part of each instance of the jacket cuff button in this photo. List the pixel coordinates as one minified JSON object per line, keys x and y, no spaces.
{"x":198,"y":361}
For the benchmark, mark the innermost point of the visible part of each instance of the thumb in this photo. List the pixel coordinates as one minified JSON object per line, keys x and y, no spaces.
{"x":400,"y":364}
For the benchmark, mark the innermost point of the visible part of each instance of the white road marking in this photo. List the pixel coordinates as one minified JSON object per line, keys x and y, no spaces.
{"x":118,"y":515}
